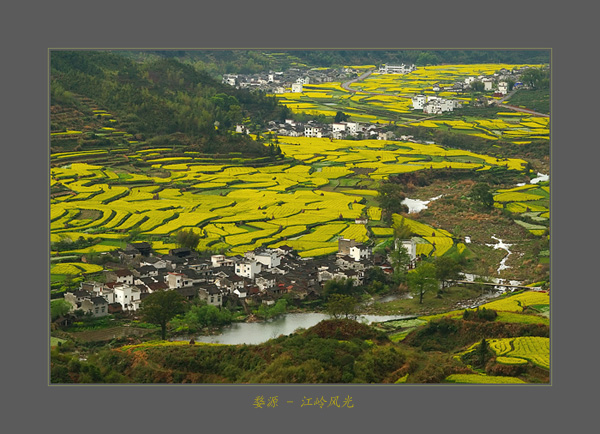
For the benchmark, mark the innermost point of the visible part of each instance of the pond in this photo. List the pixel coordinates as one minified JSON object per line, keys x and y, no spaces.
{"x":417,"y":205}
{"x":258,"y":332}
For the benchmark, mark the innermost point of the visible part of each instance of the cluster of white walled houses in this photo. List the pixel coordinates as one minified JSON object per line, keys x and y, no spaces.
{"x":260,"y":276}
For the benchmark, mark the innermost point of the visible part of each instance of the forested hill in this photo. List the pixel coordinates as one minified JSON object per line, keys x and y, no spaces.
{"x":253,"y":61}
{"x":157,"y":98}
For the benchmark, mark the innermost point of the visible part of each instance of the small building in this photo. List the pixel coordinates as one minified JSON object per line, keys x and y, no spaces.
{"x":127,"y":296}
{"x":178,"y":280}
{"x":144,"y":248}
{"x":296,"y":87}
{"x":418,"y":102}
{"x":248,"y":268}
{"x":397,"y":69}
{"x":222,"y":261}
{"x":344,"y":245}
{"x":121,"y":276}
{"x":358,"y":252}
{"x":96,"y":306}
{"x":269,"y":258}
{"x":211,"y":294}
{"x":313,"y":131}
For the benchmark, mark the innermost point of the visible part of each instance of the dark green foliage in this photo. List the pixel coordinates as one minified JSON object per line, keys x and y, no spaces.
{"x":59,"y":308}
{"x":448,"y":335}
{"x":400,"y":260}
{"x":266,"y":312}
{"x":538,"y":78}
{"x":341,"y":117}
{"x":80,"y":243}
{"x":339,"y":286}
{"x":187,"y":238}
{"x":422,"y":279}
{"x":163,"y":97}
{"x":340,"y":305}
{"x":390,"y":196}
{"x":477,"y":86}
{"x":446,"y":269}
{"x":201,"y":316}
{"x":478,"y":314}
{"x":160,"y":307}
{"x":482,"y":195}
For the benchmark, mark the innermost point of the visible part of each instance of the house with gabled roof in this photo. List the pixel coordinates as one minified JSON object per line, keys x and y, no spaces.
{"x":211,"y":294}
{"x":120,"y":276}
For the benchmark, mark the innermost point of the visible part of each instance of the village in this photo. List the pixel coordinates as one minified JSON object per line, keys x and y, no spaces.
{"x":259,"y":277}
{"x":293,"y":80}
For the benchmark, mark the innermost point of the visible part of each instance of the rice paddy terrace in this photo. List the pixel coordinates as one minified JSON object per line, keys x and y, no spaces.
{"x":306,"y":200}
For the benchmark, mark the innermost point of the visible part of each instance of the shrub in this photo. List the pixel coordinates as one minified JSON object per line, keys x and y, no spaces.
{"x":482,"y":314}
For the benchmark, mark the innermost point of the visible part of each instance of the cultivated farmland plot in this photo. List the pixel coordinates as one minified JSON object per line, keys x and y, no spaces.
{"x":284,"y":196}
{"x":311,"y":197}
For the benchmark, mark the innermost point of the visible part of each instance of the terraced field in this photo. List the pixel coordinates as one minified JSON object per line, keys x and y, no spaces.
{"x":303,"y":203}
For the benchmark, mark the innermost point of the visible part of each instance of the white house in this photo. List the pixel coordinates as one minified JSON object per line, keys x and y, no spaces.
{"x":230,"y":79}
{"x":241,"y":292}
{"x":313,"y":131}
{"x":359,"y":252}
{"x":339,"y":130}
{"x":487,"y":83}
{"x":178,"y":280}
{"x":397,"y":69}
{"x":265,"y":282}
{"x":248,"y":268}
{"x":127,"y":296}
{"x":124,"y":276}
{"x":503,"y":87}
{"x":270,"y":258}
{"x":222,"y":261}
{"x":439,"y":105}
{"x":352,"y":127}
{"x":385,"y":135}
{"x":418,"y":102}
{"x":297,"y":87}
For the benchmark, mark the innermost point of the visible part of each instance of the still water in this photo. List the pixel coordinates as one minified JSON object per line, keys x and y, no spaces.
{"x":258,"y":332}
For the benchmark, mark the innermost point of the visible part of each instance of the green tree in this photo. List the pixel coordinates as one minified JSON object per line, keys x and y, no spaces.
{"x":187,"y":238}
{"x":341,"y":117}
{"x":59,"y":308}
{"x":160,"y":307}
{"x":477,"y":86}
{"x":401,"y":230}
{"x":390,"y":196}
{"x":447,"y":268}
{"x":422,"y":279}
{"x":400,"y":260}
{"x":338,"y":286}
{"x":482,"y":194}
{"x":482,"y":353}
{"x":340,"y":305}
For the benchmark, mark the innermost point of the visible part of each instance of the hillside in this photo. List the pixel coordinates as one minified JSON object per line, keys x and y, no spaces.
{"x":333,"y":351}
{"x":162,"y":100}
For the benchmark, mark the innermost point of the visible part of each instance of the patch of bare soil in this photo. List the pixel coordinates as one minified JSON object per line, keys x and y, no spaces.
{"x":109,"y":333}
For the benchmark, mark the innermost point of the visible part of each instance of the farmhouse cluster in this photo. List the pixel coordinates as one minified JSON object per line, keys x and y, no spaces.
{"x":283,"y":81}
{"x":335,"y":130}
{"x":259,"y":277}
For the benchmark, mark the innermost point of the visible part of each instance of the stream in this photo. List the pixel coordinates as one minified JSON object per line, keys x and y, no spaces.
{"x":503,"y":246}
